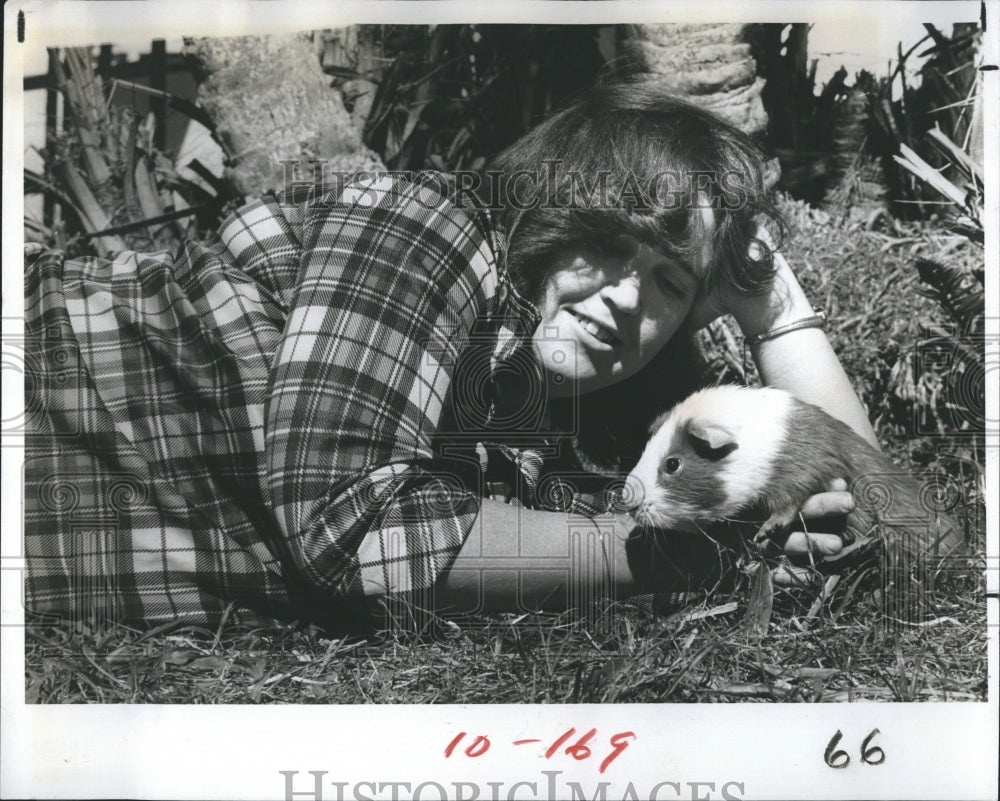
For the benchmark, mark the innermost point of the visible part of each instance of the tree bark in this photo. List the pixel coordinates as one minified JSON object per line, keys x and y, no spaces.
{"x":709,"y":63}
{"x":271,"y":103}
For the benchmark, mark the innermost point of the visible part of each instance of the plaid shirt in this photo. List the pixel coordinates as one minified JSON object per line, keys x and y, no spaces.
{"x":295,"y":412}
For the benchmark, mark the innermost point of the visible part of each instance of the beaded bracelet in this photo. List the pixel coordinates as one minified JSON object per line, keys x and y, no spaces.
{"x":816,"y":320}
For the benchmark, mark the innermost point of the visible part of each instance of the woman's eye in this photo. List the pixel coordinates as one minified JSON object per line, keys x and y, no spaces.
{"x":668,"y":286}
{"x":672,"y":465}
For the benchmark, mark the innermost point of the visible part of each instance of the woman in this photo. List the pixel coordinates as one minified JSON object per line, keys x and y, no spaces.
{"x":376,"y":392}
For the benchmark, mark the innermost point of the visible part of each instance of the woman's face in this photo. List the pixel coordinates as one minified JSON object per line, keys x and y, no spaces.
{"x":606,"y":311}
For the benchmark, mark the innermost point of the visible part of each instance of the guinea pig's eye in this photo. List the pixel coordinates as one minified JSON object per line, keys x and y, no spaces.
{"x":672,"y":465}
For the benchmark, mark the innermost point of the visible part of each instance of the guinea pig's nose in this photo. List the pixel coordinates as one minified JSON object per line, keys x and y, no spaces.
{"x":633,"y":493}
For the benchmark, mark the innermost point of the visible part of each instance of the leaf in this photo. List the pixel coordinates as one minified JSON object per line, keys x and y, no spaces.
{"x":958,"y":291}
{"x":256,"y":665}
{"x":955,"y":154}
{"x":83,"y":93}
{"x":411,"y":121}
{"x":176,"y":103}
{"x":146,"y":192}
{"x":760,"y":603}
{"x":36,"y":182}
{"x":930,"y":176}
{"x":93,"y":216}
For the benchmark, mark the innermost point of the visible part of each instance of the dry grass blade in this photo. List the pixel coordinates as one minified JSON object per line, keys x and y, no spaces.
{"x":780,"y":671}
{"x":747,"y":690}
{"x":760,"y":604}
{"x":955,"y":153}
{"x":699,"y":614}
{"x":930,"y":176}
{"x":828,"y":587}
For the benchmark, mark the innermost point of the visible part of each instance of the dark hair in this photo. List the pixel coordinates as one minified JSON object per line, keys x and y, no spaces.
{"x":639,"y":138}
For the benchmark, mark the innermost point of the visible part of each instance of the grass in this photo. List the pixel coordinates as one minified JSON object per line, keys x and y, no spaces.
{"x":831,"y":642}
{"x":834,"y":652}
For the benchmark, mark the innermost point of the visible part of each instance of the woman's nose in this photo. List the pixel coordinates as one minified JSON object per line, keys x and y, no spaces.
{"x":623,"y":294}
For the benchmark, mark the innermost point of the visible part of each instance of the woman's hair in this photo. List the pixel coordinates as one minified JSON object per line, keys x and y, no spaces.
{"x":628,"y":157}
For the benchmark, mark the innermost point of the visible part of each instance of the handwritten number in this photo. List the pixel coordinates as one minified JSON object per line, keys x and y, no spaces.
{"x":453,"y":743}
{"x":580,"y":750}
{"x":836,"y":759}
{"x":620,"y":741}
{"x":868,"y":754}
{"x":479,"y":746}
{"x":555,"y":746}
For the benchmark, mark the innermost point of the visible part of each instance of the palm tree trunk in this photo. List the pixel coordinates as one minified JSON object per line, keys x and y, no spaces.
{"x":710,"y":63}
{"x":272,"y":103}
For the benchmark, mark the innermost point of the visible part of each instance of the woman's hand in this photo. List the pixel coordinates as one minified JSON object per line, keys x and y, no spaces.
{"x":823,"y":515}
{"x":781,"y":302}
{"x":707,"y":307}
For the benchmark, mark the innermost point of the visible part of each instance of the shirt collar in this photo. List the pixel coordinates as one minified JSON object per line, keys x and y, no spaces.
{"x":514,"y":318}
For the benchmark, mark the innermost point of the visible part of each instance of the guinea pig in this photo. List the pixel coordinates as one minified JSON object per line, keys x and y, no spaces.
{"x":729,"y":451}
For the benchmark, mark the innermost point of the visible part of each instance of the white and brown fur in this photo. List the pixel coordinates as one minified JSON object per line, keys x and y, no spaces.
{"x":744,"y":448}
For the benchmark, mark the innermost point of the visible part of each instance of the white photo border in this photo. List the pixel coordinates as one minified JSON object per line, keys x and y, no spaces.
{"x":746,"y":751}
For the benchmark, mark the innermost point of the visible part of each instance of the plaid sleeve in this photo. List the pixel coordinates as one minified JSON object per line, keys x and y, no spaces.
{"x":263,"y":240}
{"x":392,"y":280}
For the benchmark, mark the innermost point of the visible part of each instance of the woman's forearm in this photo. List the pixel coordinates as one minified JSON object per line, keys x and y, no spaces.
{"x":802,"y":361}
{"x":525,"y":559}
{"x":518,"y":559}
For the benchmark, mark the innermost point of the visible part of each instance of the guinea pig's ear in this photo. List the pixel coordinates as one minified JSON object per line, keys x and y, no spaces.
{"x":711,"y":439}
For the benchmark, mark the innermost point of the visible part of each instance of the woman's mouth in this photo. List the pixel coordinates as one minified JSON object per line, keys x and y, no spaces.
{"x":599,"y":331}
